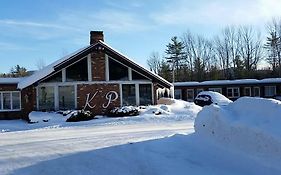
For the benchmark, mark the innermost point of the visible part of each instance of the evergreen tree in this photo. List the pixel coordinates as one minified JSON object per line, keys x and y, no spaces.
{"x":175,"y":56}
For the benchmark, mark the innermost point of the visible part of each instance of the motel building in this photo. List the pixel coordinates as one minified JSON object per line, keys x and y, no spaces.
{"x":232,"y":89}
{"x":96,"y":78}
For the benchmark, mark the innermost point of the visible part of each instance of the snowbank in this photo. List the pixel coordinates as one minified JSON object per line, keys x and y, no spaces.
{"x":250,"y":125}
{"x":176,"y":112}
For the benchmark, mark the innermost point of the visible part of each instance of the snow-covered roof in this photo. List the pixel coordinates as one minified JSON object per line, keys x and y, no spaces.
{"x":10,"y":80}
{"x":25,"y":82}
{"x":38,"y":75}
{"x":228,"y":82}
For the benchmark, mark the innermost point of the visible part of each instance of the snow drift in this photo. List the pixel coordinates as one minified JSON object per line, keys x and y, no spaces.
{"x":250,"y":125}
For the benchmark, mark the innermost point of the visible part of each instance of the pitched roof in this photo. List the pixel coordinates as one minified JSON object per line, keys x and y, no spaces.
{"x":40,"y":74}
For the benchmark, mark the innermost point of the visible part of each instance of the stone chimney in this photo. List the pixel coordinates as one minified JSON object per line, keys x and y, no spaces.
{"x":95,"y":36}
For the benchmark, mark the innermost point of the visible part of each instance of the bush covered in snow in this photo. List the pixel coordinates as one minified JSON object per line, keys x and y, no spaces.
{"x":80,"y":115}
{"x":124,"y":111}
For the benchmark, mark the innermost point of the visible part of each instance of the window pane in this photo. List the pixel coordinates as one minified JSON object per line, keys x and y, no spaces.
{"x":145,"y":94}
{"x":117,"y":71}
{"x":46,"y":98}
{"x":236,"y":92}
{"x":269,"y":91}
{"x":16,"y":100}
{"x":256,"y":91}
{"x":55,"y":78}
{"x":66,"y":97}
{"x":229,"y":92}
{"x":137,"y":76}
{"x":6,"y":100}
{"x":78,"y":71}
{"x":129,"y":94}
{"x":247,"y":91}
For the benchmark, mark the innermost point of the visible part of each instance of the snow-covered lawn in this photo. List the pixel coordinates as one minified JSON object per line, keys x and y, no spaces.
{"x":151,"y":144}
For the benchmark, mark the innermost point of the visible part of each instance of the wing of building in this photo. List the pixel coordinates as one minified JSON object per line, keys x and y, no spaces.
{"x":96,"y":77}
{"x":232,"y":89}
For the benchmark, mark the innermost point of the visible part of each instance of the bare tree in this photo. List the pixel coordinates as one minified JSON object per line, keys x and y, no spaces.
{"x":40,"y":64}
{"x":227,"y":49}
{"x":250,"y":47}
{"x":199,"y":54}
{"x":154,"y":62}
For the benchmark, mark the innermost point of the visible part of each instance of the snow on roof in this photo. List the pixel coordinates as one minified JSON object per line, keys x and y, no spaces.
{"x":50,"y":68}
{"x":10,"y":80}
{"x":136,"y":64}
{"x":45,"y":71}
{"x":228,"y":82}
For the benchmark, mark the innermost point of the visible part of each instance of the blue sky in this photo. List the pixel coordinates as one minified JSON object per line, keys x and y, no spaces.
{"x":49,"y":29}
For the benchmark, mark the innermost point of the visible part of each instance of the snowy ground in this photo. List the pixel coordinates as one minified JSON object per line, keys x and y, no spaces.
{"x":149,"y":144}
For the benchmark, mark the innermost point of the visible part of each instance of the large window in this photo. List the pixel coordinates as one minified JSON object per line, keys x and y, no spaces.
{"x":190,"y":94}
{"x":57,"y":77}
{"x":145,"y":94}
{"x":46,"y":98}
{"x":10,"y":101}
{"x":269,"y":91}
{"x":137,"y":76}
{"x":117,"y":71}
{"x":233,"y":92}
{"x":128,"y":94}
{"x":66,"y":97}
{"x":78,"y":71}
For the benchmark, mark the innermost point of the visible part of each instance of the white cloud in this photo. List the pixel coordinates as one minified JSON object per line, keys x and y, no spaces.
{"x":218,"y":12}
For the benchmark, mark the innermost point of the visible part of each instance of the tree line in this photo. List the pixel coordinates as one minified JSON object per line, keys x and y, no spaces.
{"x":233,"y":54}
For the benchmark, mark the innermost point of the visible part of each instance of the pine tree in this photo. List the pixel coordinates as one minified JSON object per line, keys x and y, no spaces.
{"x":175,"y":56}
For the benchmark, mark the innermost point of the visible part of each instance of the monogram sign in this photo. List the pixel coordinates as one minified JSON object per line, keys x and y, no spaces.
{"x":110,"y":97}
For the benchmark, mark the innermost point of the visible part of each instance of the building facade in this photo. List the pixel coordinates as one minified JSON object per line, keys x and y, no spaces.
{"x":232,"y":89}
{"x":96,"y":78}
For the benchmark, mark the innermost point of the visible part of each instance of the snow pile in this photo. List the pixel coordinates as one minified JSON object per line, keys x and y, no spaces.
{"x":216,"y":97}
{"x":250,"y":125}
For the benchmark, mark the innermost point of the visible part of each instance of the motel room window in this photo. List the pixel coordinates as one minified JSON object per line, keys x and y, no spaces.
{"x":256,"y":92}
{"x":145,"y":94}
{"x":190,"y":94}
{"x":137,"y":76}
{"x":247,"y":91}
{"x":46,"y":98}
{"x":10,"y":101}
{"x":219,"y":90}
{"x":78,"y":71}
{"x":233,"y":92}
{"x":66,"y":97}
{"x":117,"y":71}
{"x":178,"y":94}
{"x":269,"y":91}
{"x":129,"y":94}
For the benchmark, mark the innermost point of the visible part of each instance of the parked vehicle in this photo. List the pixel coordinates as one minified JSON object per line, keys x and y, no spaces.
{"x":209,"y":97}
